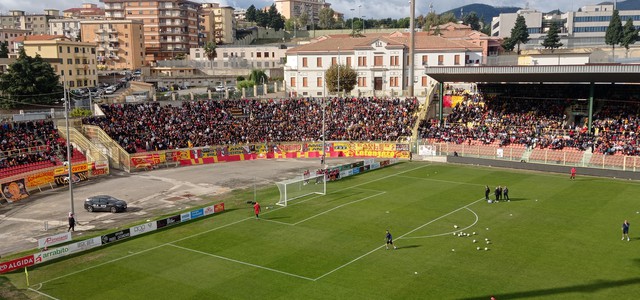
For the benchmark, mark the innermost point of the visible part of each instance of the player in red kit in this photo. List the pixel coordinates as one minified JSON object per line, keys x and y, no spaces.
{"x":256,"y":209}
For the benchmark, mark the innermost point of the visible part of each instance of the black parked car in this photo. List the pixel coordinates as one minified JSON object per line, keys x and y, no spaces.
{"x":104,"y":203}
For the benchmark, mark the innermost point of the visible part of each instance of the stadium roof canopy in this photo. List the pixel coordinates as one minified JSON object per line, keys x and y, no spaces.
{"x":608,"y":73}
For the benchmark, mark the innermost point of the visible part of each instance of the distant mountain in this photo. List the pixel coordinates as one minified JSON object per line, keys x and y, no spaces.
{"x":485,"y":12}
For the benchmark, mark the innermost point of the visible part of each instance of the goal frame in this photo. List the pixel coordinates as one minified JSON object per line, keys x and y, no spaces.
{"x":293,"y":188}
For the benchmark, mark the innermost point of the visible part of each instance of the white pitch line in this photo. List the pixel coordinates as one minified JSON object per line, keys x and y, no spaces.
{"x":447,"y":233}
{"x":43,"y":294}
{"x":207,"y":231}
{"x":374,"y":250}
{"x":241,"y":262}
{"x":440,"y":180}
{"x":339,"y":206}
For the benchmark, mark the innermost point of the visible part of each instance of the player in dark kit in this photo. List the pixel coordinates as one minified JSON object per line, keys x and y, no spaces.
{"x":625,"y":230}
{"x":487,"y":191}
{"x":389,"y":240}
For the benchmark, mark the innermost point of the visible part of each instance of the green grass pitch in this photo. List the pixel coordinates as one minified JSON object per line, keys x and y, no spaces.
{"x":555,"y":239}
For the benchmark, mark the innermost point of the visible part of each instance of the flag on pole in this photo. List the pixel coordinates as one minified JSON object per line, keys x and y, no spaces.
{"x":26,"y":274}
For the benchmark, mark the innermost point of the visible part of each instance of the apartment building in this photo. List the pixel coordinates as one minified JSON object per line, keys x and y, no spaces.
{"x":119,"y":43}
{"x":248,"y":57}
{"x":75,"y":62}
{"x":170,"y":26}
{"x":585,"y":27}
{"x":380,"y":60}
{"x":294,"y":8}
{"x":217,"y":23}
{"x":88,"y":11}
{"x":36,"y":23}
{"x":67,"y":27}
{"x":9,"y":36}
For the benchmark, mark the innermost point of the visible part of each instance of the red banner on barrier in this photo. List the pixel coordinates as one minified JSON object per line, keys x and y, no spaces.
{"x":17,"y":263}
{"x":218,"y":207}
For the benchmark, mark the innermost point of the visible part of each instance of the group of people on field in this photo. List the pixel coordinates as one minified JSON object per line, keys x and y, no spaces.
{"x":154,"y":126}
{"x":500,"y":193}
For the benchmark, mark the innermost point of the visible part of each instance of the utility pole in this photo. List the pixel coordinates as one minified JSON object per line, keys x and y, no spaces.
{"x":412,"y":40}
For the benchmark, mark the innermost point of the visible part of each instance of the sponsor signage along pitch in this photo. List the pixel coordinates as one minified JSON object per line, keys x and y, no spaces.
{"x":143,"y":228}
{"x":168,"y":221}
{"x":54,"y":240}
{"x":51,"y":254}
{"x":85,"y":245}
{"x":185,"y":217}
{"x":17,"y":263}
{"x":197,"y":213}
{"x":115,"y":236}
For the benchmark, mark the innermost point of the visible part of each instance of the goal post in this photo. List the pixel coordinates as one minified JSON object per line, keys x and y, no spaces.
{"x":300,"y":187}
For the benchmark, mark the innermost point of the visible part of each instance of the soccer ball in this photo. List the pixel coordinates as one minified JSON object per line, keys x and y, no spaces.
{"x":267,"y":207}
{"x":478,"y":248}
{"x":455,"y":226}
{"x":474,"y":241}
{"x":415,"y":273}
{"x":474,"y":233}
{"x":485,"y":248}
{"x":453,"y":250}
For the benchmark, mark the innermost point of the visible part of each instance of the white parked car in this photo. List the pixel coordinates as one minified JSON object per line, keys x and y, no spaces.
{"x":110,"y":89}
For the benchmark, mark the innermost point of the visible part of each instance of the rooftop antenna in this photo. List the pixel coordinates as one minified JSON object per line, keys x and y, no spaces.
{"x":431,"y":8}
{"x":461,"y":12}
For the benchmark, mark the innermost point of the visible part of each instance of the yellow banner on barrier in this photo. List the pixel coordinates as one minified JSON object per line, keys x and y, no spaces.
{"x":39,"y":179}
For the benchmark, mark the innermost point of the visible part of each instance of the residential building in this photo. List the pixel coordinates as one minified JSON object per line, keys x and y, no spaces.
{"x":88,"y":11}
{"x":381,"y":61}
{"x":75,"y":61}
{"x":36,"y":23}
{"x":170,"y":26}
{"x":240,"y":14}
{"x":294,"y":8}
{"x":67,"y":27}
{"x":9,"y":36}
{"x":491,"y":46}
{"x":217,"y":24}
{"x":583,"y":28}
{"x":119,"y":43}
{"x":248,"y":57}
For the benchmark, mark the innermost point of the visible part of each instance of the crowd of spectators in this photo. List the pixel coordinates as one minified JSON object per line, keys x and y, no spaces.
{"x":28,"y":142}
{"x":538,"y":123}
{"x":152,"y":126}
{"x":616,"y":126}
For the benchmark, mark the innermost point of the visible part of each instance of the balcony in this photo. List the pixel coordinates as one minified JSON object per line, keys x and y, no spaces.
{"x":113,"y":48}
{"x":111,"y":30}
{"x":99,"y":30}
{"x":113,"y":39}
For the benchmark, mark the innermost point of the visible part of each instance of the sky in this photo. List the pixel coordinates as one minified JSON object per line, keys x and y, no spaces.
{"x":376,"y":9}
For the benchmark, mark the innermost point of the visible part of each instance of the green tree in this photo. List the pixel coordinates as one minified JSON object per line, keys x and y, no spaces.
{"x":275,"y":18}
{"x":446,"y":18}
{"x":303,"y":20}
{"x":432,"y":19}
{"x":472,"y":20}
{"x":29,"y":80}
{"x":4,"y":49}
{"x":629,"y":34}
{"x":262,"y":18}
{"x":258,"y":76}
{"x":520,"y":32}
{"x":251,"y":14}
{"x":80,"y":112}
{"x":614,"y":31}
{"x":289,"y":24}
{"x":210,"y":50}
{"x":552,"y":40}
{"x":348,"y":78}
{"x":326,"y":18}
{"x":508,"y":44}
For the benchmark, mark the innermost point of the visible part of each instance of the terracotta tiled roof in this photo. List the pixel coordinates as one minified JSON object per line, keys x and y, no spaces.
{"x":39,"y":37}
{"x":346,"y":43}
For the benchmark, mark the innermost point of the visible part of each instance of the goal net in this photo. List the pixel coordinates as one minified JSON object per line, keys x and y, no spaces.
{"x":300,"y":187}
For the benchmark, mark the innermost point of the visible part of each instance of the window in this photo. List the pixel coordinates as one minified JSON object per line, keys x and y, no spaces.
{"x":319,"y":82}
{"x":258,"y":54}
{"x":349,"y":61}
{"x":293,"y":81}
{"x":126,"y":35}
{"x":68,"y":49}
{"x":377,"y":60}
{"x":76,"y":50}
{"x":334,"y":61}
{"x":395,"y":60}
{"x":424,"y":81}
{"x":266,"y":54}
{"x":362,"y":81}
{"x":456,"y":59}
{"x":362,"y":61}
{"x":69,"y":61}
{"x":77,"y":61}
{"x":440,"y":60}
{"x":319,"y":62}
{"x":425,"y":60}
{"x":60,"y":49}
{"x":304,"y":62}
{"x":393,"y":81}
{"x":304,"y":82}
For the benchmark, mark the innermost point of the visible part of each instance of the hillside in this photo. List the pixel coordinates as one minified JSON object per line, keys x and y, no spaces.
{"x":485,"y":12}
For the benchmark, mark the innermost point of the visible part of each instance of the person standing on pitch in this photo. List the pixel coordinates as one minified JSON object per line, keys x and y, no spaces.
{"x":573,"y":173}
{"x":505,"y":193}
{"x":487,"y":191}
{"x":625,"y":230}
{"x":389,"y":240}
{"x":256,"y":209}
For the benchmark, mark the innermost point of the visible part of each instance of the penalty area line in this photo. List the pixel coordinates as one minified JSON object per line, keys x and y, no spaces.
{"x":241,"y":262}
{"x":446,"y":233}
{"x":375,"y":249}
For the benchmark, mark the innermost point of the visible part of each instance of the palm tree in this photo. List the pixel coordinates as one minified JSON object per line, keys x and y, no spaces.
{"x":210,"y":50}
